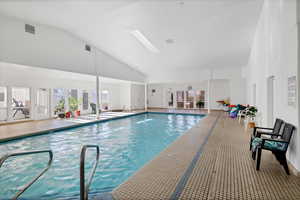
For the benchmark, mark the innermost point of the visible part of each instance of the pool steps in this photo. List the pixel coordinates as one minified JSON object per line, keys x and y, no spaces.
{"x":25,"y":187}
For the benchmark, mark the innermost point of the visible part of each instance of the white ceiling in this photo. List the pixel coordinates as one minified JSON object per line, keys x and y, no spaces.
{"x":206,"y":33}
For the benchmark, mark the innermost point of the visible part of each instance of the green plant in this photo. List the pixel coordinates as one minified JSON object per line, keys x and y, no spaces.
{"x":200,"y":104}
{"x":252,"y":110}
{"x":73,"y":104}
{"x":60,"y":107}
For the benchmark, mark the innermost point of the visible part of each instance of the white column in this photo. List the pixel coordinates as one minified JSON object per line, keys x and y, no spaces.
{"x":175,"y":99}
{"x":33,"y":103}
{"x":194,"y":99}
{"x":208,"y":95}
{"x":209,"y":83}
{"x":184,"y":99}
{"x":9,"y":103}
{"x":146,"y":97}
{"x":50,"y":102}
{"x":98,"y":97}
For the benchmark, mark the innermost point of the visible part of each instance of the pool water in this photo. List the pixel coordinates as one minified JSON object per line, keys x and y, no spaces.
{"x":125,"y":146}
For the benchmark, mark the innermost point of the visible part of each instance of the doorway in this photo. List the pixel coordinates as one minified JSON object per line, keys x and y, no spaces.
{"x":21,"y":103}
{"x":180,"y":99}
{"x":42,"y":103}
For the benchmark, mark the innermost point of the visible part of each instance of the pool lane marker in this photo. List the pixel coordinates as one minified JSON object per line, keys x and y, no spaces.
{"x":185,"y":177}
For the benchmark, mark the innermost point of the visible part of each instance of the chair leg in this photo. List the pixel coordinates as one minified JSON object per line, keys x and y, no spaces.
{"x":283,"y":162}
{"x":258,"y":158}
{"x":253,"y":155}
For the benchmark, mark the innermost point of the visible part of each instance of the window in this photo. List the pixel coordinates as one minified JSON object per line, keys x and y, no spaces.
{"x":180,"y":99}
{"x":42,"y":103}
{"x":190,"y":99}
{"x":104,"y":99}
{"x":73,"y":100}
{"x":85,"y":101}
{"x":20,"y":103}
{"x":200,"y":99}
{"x":59,"y":100}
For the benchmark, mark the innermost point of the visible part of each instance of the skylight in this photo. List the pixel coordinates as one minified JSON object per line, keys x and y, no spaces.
{"x":145,"y":42}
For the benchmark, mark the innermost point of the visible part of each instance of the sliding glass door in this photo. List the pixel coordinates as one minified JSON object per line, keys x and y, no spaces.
{"x":180,"y":99}
{"x":21,"y":104}
{"x":190,"y":98}
{"x":42,"y":103}
{"x":59,"y":101}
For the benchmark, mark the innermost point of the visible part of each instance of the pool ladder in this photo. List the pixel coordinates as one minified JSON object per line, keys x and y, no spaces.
{"x":25,"y":187}
{"x":84,"y":189}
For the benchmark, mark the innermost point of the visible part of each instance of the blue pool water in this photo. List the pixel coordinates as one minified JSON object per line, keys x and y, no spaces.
{"x":125,"y":146}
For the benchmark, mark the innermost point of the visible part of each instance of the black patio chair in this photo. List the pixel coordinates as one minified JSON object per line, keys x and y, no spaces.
{"x":93,"y":106}
{"x":278,"y":146}
{"x":257,"y":131}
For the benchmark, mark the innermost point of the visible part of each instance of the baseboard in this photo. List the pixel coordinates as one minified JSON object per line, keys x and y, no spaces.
{"x":293,"y":170}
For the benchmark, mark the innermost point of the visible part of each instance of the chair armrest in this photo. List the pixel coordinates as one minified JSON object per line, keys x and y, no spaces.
{"x":274,"y":140}
{"x":265,"y":133}
{"x":257,"y":127}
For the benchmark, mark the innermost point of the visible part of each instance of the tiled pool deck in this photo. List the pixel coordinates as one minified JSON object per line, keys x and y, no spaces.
{"x":211,"y":161}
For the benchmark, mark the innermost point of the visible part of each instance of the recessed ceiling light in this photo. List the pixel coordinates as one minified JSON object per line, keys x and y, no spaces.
{"x":169,"y":41}
{"x":144,"y":41}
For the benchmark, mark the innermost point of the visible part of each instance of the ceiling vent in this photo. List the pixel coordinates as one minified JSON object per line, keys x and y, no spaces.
{"x":170,"y":41}
{"x":87,"y":47}
{"x":29,"y":29}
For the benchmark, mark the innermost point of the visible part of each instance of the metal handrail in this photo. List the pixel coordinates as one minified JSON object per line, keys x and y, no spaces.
{"x":84,"y":189}
{"x":25,"y":187}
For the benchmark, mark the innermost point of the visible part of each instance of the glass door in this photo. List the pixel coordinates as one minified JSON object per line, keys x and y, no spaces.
{"x":105,"y":100}
{"x":200,"y":99}
{"x":42,"y":103}
{"x":180,"y":99}
{"x":21,"y":103}
{"x":190,"y":95}
{"x":59,"y":101}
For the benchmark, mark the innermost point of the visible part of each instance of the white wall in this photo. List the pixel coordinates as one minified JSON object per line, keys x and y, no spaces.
{"x":220,"y":90}
{"x":125,"y":94}
{"x":274,"y":53}
{"x":57,"y":49}
{"x":137,"y":96}
{"x":233,"y":85}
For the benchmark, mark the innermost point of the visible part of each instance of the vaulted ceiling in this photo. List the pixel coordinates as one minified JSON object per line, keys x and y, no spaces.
{"x":188,"y":34}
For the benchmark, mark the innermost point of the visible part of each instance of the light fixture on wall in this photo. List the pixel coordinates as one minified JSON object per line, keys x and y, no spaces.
{"x":144,"y":41}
